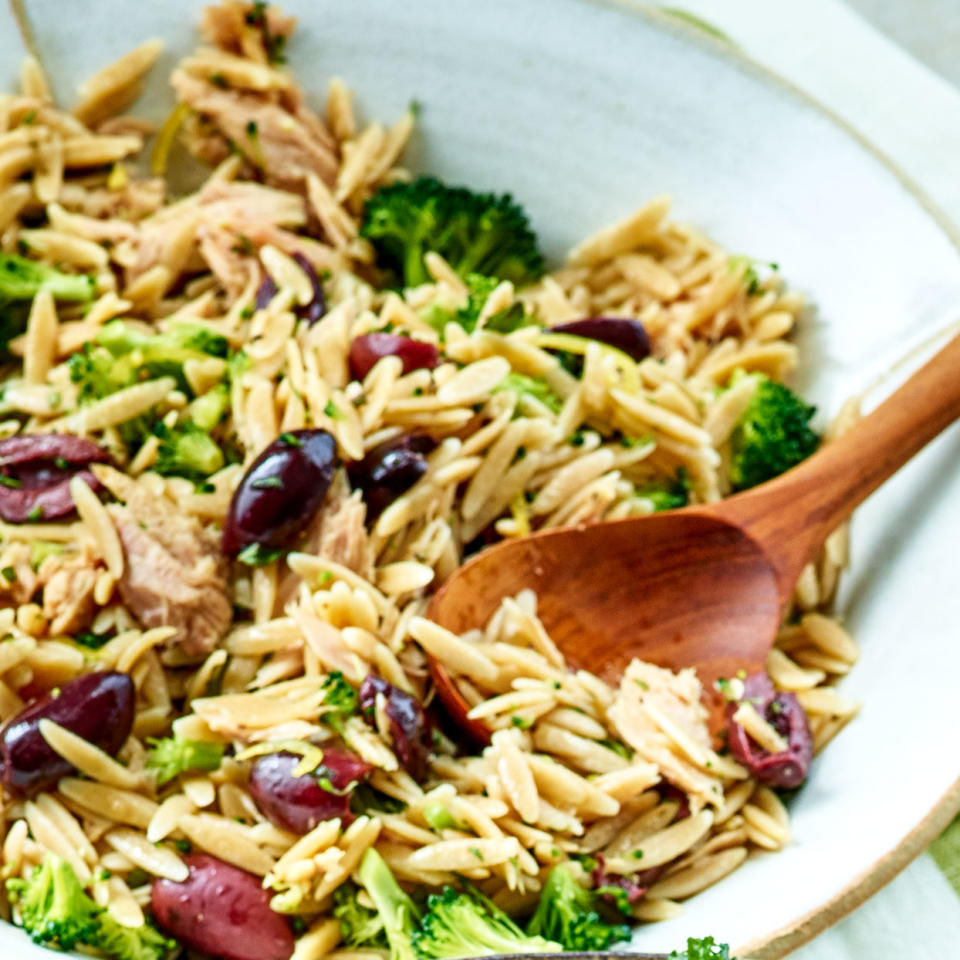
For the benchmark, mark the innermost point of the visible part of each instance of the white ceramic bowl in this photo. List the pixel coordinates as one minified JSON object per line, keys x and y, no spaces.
{"x":583,"y":110}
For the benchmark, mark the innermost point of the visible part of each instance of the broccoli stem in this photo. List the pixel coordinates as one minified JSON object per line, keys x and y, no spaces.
{"x":398,"y":912}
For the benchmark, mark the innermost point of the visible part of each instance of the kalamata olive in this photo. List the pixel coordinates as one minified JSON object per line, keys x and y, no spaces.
{"x":410,"y":727}
{"x":389,"y":469}
{"x":299,"y":803}
{"x":35,"y":474}
{"x":281,"y":491}
{"x":635,"y":885}
{"x":222,"y":911}
{"x":312,"y":311}
{"x":367,"y":349}
{"x":624,"y":334}
{"x":96,"y":706}
{"x":784,"y":713}
{"x":317,"y":307}
{"x":265,"y":292}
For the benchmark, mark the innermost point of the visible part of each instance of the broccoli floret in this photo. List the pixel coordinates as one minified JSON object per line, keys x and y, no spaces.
{"x":339,"y":699}
{"x":568,"y":913}
{"x":172,"y":756}
{"x":397,"y":911}
{"x":162,"y":354}
{"x":209,"y":408}
{"x":186,"y":451}
{"x":97,"y":373}
{"x":121,"y":357}
{"x":474,"y":232}
{"x":438,"y":817}
{"x":668,"y":494}
{"x":359,"y":926}
{"x":131,"y":943}
{"x":534,"y":387}
{"x":56,"y":911}
{"x":703,"y":949}
{"x":479,"y":289}
{"x":20,"y":281}
{"x":464,"y":923}
{"x":772,"y":435}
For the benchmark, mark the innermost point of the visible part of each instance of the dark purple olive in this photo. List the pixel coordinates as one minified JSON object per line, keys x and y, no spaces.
{"x":410,"y":727}
{"x":96,"y":706}
{"x":389,"y":469}
{"x":281,"y":491}
{"x":317,"y":307}
{"x":634,"y":884}
{"x":265,"y":292}
{"x":784,"y":713}
{"x":624,"y":334}
{"x":222,"y":911}
{"x":669,"y":792}
{"x":367,"y":349}
{"x":312,"y":311}
{"x":36,"y":470}
{"x":298,"y":804}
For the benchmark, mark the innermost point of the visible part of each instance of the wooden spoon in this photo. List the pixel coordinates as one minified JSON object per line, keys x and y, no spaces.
{"x":706,"y":586}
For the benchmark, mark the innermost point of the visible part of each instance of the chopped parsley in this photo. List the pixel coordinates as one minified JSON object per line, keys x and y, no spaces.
{"x":267,"y":483}
{"x":257,"y":555}
{"x":333,"y":411}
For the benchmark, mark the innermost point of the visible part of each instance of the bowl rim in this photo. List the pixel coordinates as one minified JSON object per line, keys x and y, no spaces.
{"x":778,"y":943}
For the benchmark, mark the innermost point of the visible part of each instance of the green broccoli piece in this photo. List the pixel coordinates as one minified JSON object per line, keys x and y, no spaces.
{"x":396,"y":910}
{"x":120,"y":357}
{"x":41,"y":549}
{"x":20,"y":281}
{"x":464,"y":923}
{"x":162,"y":354}
{"x":438,"y":817}
{"x":209,"y":408}
{"x":772,"y":435}
{"x":703,"y":949}
{"x":531,"y":386}
{"x":479,"y":289}
{"x":359,"y":926}
{"x":186,"y":451}
{"x":56,"y":911}
{"x":474,"y":232}
{"x":567,"y":912}
{"x":172,"y":756}
{"x":131,"y":943}
{"x":667,"y":494}
{"x":339,"y":699}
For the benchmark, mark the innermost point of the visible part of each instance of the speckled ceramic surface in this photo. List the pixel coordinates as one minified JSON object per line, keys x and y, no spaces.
{"x":583,"y":110}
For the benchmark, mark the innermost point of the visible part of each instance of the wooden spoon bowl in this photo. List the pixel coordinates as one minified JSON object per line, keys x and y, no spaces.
{"x":706,"y":586}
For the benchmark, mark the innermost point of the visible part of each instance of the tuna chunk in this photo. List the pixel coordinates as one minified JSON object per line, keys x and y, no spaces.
{"x":659,"y":714}
{"x":283,"y":146}
{"x":241,"y":29}
{"x":339,"y":533}
{"x":68,"y":593}
{"x":174,"y":574}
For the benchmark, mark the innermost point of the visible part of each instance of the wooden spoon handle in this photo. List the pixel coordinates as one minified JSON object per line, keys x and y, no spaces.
{"x":792,"y":515}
